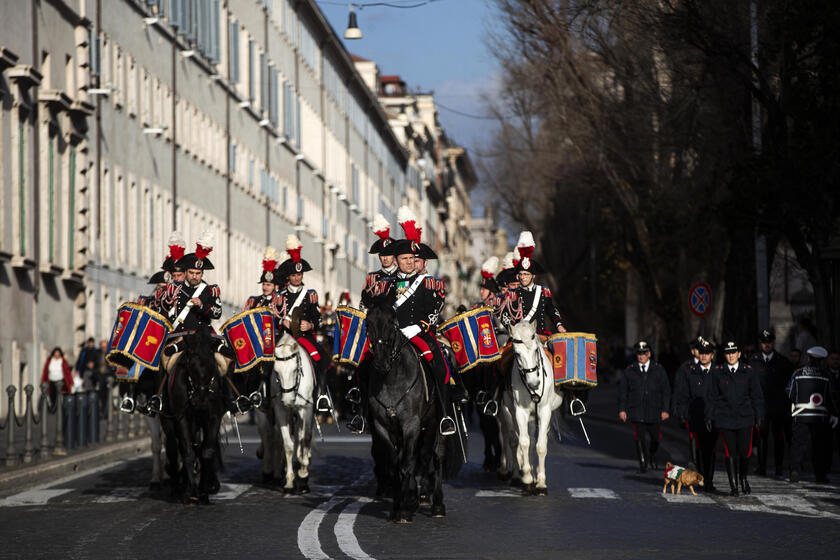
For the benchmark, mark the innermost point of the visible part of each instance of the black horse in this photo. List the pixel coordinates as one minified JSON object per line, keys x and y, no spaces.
{"x":195,"y":410}
{"x":405,"y":413}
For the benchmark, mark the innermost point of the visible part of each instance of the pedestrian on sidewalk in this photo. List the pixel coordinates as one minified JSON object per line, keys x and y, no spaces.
{"x":774,"y":371}
{"x":735,"y":406}
{"x":690,"y":392}
{"x":644,"y":398}
{"x":57,"y":373}
{"x":814,"y":415}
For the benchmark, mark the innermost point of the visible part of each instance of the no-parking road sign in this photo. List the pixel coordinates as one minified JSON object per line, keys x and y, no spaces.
{"x":700,"y":299}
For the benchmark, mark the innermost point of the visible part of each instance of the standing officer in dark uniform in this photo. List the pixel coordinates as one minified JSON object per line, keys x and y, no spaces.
{"x":644,"y":398}
{"x":305,"y":301}
{"x":774,"y":371}
{"x":690,"y":406}
{"x":734,"y":406}
{"x":814,"y":415}
{"x":680,"y":379}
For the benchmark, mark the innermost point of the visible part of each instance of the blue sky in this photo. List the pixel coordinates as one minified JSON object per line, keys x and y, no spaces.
{"x":439,"y":47}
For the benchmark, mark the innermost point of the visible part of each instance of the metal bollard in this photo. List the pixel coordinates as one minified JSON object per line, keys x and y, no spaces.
{"x":11,"y":452}
{"x":132,"y":431}
{"x":81,"y":419}
{"x":109,"y":410}
{"x":28,"y":449}
{"x":59,"y":426}
{"x":69,"y":421}
{"x":93,"y":417}
{"x":45,"y":442}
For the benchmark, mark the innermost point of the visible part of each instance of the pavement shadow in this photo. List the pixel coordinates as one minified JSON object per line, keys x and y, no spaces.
{"x":601,"y":466}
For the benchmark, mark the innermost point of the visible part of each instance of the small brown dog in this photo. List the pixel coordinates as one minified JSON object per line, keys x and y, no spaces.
{"x":679,"y":477}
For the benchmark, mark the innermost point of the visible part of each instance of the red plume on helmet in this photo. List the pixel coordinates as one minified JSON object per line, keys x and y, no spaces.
{"x":204,"y":245}
{"x":177,"y":246}
{"x":270,"y":259}
{"x":381,"y":227}
{"x":525,"y":245}
{"x":293,"y":247}
{"x":408,"y":221}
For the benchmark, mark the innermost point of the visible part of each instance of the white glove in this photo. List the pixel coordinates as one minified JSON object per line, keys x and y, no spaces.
{"x":833,"y":421}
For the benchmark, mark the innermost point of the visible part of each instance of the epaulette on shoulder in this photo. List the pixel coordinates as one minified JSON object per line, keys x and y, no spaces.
{"x":435,"y":284}
{"x":313,"y":296}
{"x":215,"y":290}
{"x":371,"y":278}
{"x":546,"y":291}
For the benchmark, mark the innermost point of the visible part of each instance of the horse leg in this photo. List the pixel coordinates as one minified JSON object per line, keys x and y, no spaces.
{"x":407,"y":468}
{"x":544,"y":425}
{"x":523,"y":449}
{"x":209,"y":473}
{"x":282,"y":419}
{"x":266,"y":445}
{"x":153,"y":423}
{"x":304,"y":447}
{"x":185,"y":439}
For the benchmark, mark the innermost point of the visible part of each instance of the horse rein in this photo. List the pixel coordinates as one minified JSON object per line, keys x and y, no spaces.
{"x":535,"y":397}
{"x":298,"y":376}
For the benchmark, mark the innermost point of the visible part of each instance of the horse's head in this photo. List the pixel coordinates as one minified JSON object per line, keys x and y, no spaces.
{"x":383,"y":334}
{"x":199,"y":364}
{"x":526,"y":346}
{"x":286,"y":347}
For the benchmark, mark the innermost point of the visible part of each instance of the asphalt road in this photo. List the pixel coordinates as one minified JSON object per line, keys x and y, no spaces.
{"x":597,"y":507}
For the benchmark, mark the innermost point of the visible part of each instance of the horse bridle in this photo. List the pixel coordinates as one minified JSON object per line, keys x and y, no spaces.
{"x":535,"y":397}
{"x":298,"y":375}
{"x":395,"y":352}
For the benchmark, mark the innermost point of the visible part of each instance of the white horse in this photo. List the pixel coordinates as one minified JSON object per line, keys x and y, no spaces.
{"x":532,"y":390}
{"x":292,"y":388}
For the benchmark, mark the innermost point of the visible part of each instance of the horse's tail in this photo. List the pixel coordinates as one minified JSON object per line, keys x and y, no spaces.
{"x":453,"y":457}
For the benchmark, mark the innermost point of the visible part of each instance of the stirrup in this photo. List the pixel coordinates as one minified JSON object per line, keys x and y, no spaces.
{"x":447,"y":426}
{"x":242,"y":404}
{"x":353,"y":396}
{"x":576,"y":407}
{"x":156,"y":404}
{"x":481,"y":398}
{"x":256,"y":399}
{"x":127,"y":405}
{"x":323,"y":404}
{"x":491,"y":408}
{"x":357,"y":424}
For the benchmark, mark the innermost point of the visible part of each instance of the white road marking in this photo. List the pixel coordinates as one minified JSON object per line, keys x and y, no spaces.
{"x":347,"y":541}
{"x":687,"y":498}
{"x":121,"y":494}
{"x":756,"y":508}
{"x":34,"y":497}
{"x":307,"y":536}
{"x":603,"y":493}
{"x":796,"y":503}
{"x":503,"y":493}
{"x":364,"y":438}
{"x":230,"y":491}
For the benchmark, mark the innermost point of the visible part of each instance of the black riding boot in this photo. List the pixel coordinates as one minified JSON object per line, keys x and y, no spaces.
{"x":693,"y":461}
{"x":640,"y":454}
{"x":732,"y":473}
{"x":742,"y":475}
{"x":654,"y":447}
{"x":324,"y":403}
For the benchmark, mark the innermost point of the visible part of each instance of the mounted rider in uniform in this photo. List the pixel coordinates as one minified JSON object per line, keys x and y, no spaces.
{"x":490,"y":296}
{"x":419,"y":301}
{"x":388,"y":268}
{"x":303,"y":315}
{"x":192,"y":304}
{"x":160,"y":279}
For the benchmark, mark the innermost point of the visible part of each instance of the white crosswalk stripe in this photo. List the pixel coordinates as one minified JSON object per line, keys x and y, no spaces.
{"x":603,"y":493}
{"x":687,"y":498}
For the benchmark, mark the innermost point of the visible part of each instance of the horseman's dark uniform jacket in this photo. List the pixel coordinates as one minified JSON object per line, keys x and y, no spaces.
{"x":644,"y":396}
{"x":690,"y":394}
{"x":419,"y":300}
{"x":307,"y":300}
{"x":545,"y":316}
{"x":734,"y":400}
{"x":774,"y":376}
{"x":178,"y":295}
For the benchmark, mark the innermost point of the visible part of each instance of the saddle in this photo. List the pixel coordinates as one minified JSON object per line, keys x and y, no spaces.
{"x":168,"y":363}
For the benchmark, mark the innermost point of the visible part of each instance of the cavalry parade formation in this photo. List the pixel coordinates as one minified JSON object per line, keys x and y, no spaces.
{"x":410,"y":373}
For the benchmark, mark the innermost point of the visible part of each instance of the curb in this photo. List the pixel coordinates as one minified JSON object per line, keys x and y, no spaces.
{"x":24,"y":476}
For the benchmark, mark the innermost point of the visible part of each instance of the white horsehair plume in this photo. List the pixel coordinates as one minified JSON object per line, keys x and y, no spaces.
{"x":526,"y":244}
{"x":491,"y":265}
{"x":507,"y":261}
{"x":292,"y":242}
{"x":404,"y":214}
{"x":271,"y":254}
{"x":380,"y":223}
{"x":177,"y":238}
{"x":206,"y":239}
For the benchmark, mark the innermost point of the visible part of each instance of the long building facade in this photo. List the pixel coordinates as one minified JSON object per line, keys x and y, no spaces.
{"x":123,"y":120}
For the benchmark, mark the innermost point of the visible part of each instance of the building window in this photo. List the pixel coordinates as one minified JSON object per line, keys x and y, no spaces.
{"x":252,"y":84}
{"x":272,"y":95}
{"x":232,"y":159}
{"x":251,"y":172}
{"x":22,"y":184}
{"x":300,"y":209}
{"x":263,"y":82}
{"x":233,"y":53}
{"x":290,"y":113}
{"x":355,"y":182}
{"x":51,"y":198}
{"x":71,"y":211}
